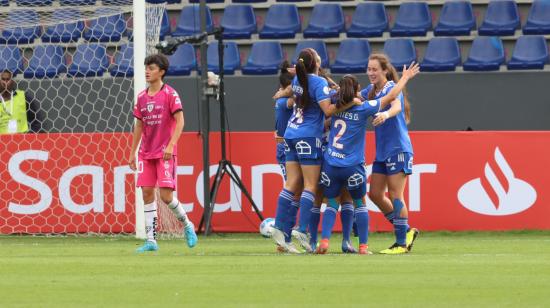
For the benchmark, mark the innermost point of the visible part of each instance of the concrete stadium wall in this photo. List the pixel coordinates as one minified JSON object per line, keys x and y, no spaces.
{"x":440,"y":101}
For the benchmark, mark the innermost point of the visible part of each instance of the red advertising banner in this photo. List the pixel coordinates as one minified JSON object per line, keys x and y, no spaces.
{"x":81,"y":183}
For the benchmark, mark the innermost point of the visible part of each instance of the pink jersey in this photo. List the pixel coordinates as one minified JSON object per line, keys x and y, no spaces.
{"x":156,"y":112}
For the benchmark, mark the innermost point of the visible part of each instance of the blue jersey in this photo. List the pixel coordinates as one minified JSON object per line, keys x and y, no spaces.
{"x":308,"y":122}
{"x":346,"y":146}
{"x":392,"y":137}
{"x":282,"y":114}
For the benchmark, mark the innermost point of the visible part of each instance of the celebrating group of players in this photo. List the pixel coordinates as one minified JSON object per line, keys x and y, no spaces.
{"x":309,"y":105}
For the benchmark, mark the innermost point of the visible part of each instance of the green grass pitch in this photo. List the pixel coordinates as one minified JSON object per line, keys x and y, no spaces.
{"x":508,"y":269}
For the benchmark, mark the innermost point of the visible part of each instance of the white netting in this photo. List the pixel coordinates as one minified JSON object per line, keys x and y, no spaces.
{"x":72,"y":64}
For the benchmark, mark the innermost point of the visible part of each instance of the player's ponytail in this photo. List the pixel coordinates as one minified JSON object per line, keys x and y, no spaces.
{"x":391,"y":74}
{"x":349,"y":87}
{"x":305,"y":65}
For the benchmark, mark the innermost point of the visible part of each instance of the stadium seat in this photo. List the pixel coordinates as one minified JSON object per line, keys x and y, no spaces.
{"x":207,"y":1}
{"x":401,"y":51}
{"x":11,"y":59}
{"x":538,"y":21}
{"x":64,"y":32}
{"x":46,"y":61}
{"x":108,"y":28}
{"x":326,"y":20}
{"x":183,"y":61}
{"x":248,"y":1}
{"x":189,"y":21}
{"x":89,"y":60}
{"x":124,"y":62}
{"x":33,"y":2}
{"x":352,"y":57}
{"x":456,"y":18}
{"x":77,"y":2}
{"x":264,"y":59}
{"x":231,"y":58}
{"x":173,"y":1}
{"x":165,"y":25}
{"x":293,"y":0}
{"x":4,"y":3}
{"x":318,"y":45}
{"x":26,"y":32}
{"x":501,"y":18}
{"x":117,"y":2}
{"x":281,"y":21}
{"x":486,"y":54}
{"x":442,"y":54}
{"x":530,"y":52}
{"x":238,"y":21}
{"x":413,"y":19}
{"x":369,"y":20}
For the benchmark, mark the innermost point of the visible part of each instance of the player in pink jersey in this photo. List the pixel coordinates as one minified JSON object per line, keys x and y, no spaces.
{"x":159,"y":122}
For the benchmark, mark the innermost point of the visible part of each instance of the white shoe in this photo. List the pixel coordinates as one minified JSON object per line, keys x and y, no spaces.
{"x":278,"y":237}
{"x":290,"y":248}
{"x":303,"y":239}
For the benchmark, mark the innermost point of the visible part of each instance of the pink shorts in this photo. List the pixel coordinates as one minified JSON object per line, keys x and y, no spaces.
{"x":157,"y":173}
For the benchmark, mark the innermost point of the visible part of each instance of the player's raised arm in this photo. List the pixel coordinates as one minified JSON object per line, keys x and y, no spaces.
{"x":408,"y":74}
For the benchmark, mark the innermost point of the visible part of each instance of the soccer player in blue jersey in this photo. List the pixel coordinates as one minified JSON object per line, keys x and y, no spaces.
{"x":303,"y":146}
{"x":345,"y":157}
{"x":394,"y":152}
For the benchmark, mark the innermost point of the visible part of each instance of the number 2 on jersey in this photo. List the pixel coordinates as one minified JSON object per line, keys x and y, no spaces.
{"x":342,"y":125}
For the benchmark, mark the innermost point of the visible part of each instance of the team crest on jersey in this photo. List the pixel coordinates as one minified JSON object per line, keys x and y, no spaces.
{"x":325,"y":180}
{"x":303,"y":148}
{"x":150,"y":107}
{"x":355,"y":180}
{"x":326,"y":90}
{"x":372,"y":103}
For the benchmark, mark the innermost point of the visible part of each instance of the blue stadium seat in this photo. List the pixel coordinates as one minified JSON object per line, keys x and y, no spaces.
{"x":413,"y":19}
{"x":238,"y":21}
{"x":117,"y":2}
{"x":207,"y":1}
{"x":486,"y":54}
{"x":530,"y":52}
{"x":248,"y":1}
{"x":501,"y":18}
{"x":318,"y":45}
{"x":26,"y":32}
{"x":89,"y":60}
{"x":77,"y":2}
{"x":11,"y":59}
{"x":33,"y":2}
{"x":108,"y":28}
{"x":327,"y":20}
{"x":352,"y":57}
{"x":457,"y":18}
{"x":124,"y":62}
{"x":4,"y":3}
{"x":538,"y":21}
{"x":264,"y":59}
{"x":189,"y":21}
{"x":231,"y":58}
{"x":164,"y":28}
{"x":442,"y":54}
{"x":46,"y":61}
{"x":401,"y":51}
{"x":183,"y":61}
{"x":64,"y":32}
{"x":369,"y":20}
{"x":281,"y":21}
{"x":293,"y":0}
{"x":173,"y":1}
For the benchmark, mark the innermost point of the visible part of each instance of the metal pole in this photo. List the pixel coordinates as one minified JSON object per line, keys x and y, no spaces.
{"x":205,"y":112}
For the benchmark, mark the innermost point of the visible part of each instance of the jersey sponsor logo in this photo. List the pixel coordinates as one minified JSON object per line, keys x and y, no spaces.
{"x":494,"y":196}
{"x":355,"y":180}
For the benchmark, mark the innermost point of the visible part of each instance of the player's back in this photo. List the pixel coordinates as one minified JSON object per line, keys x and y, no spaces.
{"x":282,"y":115}
{"x":346,"y":146}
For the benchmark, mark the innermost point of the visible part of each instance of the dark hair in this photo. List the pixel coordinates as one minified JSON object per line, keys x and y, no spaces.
{"x":305,"y":65}
{"x":160,"y":60}
{"x":349,"y":86}
{"x":4,"y":71}
{"x":285,"y":78}
{"x":385,"y":64}
{"x":326,"y":76}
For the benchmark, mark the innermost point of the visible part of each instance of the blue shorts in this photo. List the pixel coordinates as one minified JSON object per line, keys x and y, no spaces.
{"x":402,"y":162}
{"x":353,"y":178}
{"x":281,"y":157}
{"x":306,"y":151}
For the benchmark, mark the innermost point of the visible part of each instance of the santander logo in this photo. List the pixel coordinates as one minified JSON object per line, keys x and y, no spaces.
{"x":497,"y":194}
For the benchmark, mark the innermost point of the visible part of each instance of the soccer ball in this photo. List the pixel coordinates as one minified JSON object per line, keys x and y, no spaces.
{"x":266,"y":227}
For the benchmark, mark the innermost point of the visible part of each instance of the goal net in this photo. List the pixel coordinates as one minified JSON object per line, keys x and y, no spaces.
{"x":66,"y":114}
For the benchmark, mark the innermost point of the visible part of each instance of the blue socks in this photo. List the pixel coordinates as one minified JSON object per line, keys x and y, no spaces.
{"x":314,"y":225}
{"x":362,"y":219}
{"x":306,"y":203}
{"x":400,"y":224}
{"x":389,"y":216}
{"x":346,"y":216}
{"x":283,"y":206}
{"x":329,"y":218}
{"x":291,"y":219}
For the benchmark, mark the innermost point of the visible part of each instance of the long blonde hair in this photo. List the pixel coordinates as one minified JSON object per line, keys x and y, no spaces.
{"x":391,"y":74}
